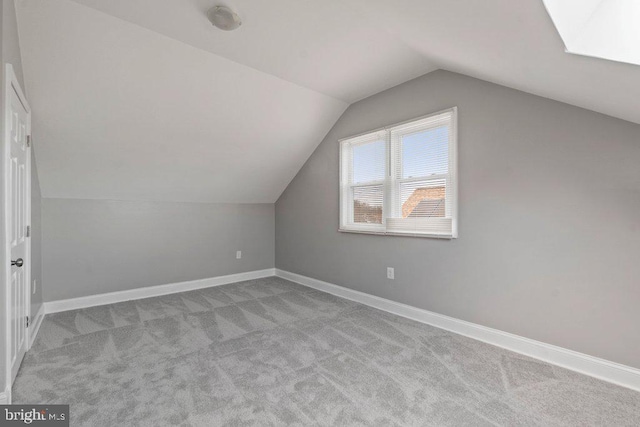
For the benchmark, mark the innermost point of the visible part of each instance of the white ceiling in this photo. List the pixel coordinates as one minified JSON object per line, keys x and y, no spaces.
{"x":121,"y":112}
{"x":144,"y":99}
{"x":512,"y":43}
{"x":324,"y":45}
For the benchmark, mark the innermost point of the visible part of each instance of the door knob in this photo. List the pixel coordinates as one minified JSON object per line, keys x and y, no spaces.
{"x":18,"y":263}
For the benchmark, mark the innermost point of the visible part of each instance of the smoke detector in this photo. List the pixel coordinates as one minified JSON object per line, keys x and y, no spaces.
{"x":224,"y":18}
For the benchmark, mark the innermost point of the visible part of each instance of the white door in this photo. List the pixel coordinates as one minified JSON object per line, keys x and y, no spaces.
{"x":19,"y":195}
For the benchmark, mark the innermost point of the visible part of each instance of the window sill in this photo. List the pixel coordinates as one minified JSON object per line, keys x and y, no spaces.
{"x":398,"y":233}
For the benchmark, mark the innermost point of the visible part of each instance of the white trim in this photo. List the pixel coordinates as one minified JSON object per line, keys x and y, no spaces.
{"x":152,"y":291}
{"x":35,"y":325}
{"x":616,"y":373}
{"x":397,"y":233}
{"x":28,"y":257}
{"x":11,"y":83}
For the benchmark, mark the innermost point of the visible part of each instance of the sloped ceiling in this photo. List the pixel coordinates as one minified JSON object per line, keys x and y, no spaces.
{"x":513,"y":43}
{"x":144,"y":99}
{"x":122,"y":112}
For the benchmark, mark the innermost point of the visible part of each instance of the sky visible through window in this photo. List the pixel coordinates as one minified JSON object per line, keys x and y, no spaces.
{"x":369,"y":162}
{"x":424,"y":154}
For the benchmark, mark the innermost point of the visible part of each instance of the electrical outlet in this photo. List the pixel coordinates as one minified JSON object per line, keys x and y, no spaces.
{"x":390,"y":273}
{"x":35,"y":286}
{"x":238,"y":254}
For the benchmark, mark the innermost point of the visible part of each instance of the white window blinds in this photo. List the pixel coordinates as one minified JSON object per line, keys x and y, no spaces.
{"x":364,"y":170}
{"x":402,"y":179}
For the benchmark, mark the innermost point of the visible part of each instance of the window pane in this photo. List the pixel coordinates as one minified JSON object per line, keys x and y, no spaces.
{"x":369,"y":162}
{"x":425,"y":153}
{"x":367,"y":204}
{"x":423,"y":199}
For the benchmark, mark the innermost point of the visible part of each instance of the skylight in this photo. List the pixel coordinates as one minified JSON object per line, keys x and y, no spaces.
{"x":608,"y":29}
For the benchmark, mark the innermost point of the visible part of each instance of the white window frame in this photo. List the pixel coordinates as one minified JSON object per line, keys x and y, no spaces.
{"x":391,"y":207}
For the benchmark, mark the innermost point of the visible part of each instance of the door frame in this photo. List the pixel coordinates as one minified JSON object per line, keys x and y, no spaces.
{"x":11,"y":83}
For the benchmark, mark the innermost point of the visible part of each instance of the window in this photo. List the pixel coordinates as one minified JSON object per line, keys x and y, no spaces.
{"x":401,"y":179}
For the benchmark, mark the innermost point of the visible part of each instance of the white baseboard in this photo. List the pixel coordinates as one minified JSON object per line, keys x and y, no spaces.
{"x":35,"y":325}
{"x":616,"y":373}
{"x":151,"y":291}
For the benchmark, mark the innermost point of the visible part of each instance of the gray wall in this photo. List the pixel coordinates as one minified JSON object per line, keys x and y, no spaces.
{"x":10,"y":41}
{"x":549,"y":219}
{"x":97,"y":246}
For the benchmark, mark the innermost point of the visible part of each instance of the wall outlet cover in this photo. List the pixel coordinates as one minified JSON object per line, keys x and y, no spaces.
{"x":238,"y":254}
{"x":390,"y":273}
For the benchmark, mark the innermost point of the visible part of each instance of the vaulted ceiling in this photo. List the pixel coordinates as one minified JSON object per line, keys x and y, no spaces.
{"x":145,"y":100}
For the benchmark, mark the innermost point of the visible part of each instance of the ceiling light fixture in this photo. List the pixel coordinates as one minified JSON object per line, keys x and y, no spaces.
{"x":224,"y":18}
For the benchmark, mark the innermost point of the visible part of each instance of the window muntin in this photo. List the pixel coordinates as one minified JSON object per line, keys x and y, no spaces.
{"x":402,"y":179}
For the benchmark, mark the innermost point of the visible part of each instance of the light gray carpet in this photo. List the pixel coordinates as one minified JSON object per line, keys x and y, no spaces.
{"x":270,"y":352}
